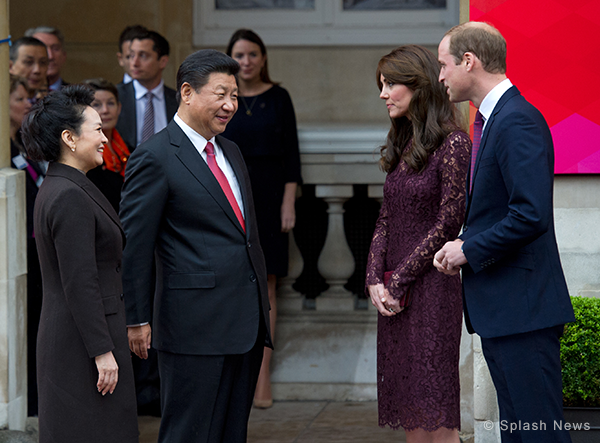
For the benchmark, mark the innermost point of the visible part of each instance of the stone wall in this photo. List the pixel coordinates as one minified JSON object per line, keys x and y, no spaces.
{"x":327,"y":84}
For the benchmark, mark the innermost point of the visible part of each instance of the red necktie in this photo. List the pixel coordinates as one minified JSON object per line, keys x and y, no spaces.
{"x":477,"y":127}
{"x":214,"y":167}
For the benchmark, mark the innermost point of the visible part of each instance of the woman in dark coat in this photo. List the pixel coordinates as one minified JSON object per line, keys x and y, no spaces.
{"x":85,"y":380}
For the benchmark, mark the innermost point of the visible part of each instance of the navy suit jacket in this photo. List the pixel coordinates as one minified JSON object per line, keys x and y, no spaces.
{"x":513,"y":281}
{"x":127,"y":124}
{"x":211,"y":284}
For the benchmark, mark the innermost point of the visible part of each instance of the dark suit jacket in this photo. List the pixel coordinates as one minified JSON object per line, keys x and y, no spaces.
{"x":513,"y":281}
{"x":127,"y":124}
{"x":211,"y":288}
{"x":80,"y":240}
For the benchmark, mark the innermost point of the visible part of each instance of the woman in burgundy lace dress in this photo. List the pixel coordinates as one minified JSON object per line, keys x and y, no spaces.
{"x":426,"y":157}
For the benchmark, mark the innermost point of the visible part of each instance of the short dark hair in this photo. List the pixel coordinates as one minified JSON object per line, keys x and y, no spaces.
{"x":23,"y":41}
{"x":160,"y":46}
{"x":251,"y":36}
{"x":197,"y":67}
{"x":129,"y":33}
{"x":47,"y":30}
{"x":49,"y":117}
{"x":483,"y":40}
{"x":100,"y":84}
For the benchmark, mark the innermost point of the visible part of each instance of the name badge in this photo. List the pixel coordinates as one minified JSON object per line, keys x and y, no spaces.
{"x":19,"y":161}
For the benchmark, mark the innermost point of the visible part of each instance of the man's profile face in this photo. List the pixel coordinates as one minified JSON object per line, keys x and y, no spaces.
{"x":56,"y":53}
{"x":212,"y":106}
{"x":451,"y":74}
{"x":145,"y":64}
{"x":124,"y":57}
{"x":31,"y":64}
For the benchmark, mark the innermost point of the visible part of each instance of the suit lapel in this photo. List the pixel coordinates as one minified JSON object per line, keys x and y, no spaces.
{"x":58,"y":169}
{"x":510,"y":93}
{"x":193,"y":161}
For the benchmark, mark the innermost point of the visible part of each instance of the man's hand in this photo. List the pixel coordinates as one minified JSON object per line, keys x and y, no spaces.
{"x":450,"y":258}
{"x":139,"y":340}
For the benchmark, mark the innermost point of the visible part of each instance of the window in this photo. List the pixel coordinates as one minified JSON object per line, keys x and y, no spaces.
{"x":325,"y":22}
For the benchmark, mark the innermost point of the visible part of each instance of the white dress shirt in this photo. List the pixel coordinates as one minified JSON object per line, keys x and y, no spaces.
{"x":491,"y":100}
{"x":199,"y":143}
{"x":160,"y":107}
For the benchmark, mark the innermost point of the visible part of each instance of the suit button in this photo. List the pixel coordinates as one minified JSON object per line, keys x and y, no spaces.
{"x":465,"y":228}
{"x":118,"y":268}
{"x":122,"y":297}
{"x":249,"y":244}
{"x":252,"y":278}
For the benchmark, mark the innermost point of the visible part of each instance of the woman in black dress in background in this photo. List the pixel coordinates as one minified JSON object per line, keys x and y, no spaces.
{"x":265,"y":130}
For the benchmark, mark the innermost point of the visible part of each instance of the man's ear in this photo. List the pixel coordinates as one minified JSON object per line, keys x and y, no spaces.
{"x":163,"y":61}
{"x":469,"y":59}
{"x":186,"y":92}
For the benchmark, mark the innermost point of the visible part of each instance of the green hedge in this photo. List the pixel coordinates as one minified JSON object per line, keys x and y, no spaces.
{"x":580,"y":354}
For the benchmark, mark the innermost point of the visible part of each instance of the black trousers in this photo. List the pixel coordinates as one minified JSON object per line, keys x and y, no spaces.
{"x":208,"y":398}
{"x":526,"y":372}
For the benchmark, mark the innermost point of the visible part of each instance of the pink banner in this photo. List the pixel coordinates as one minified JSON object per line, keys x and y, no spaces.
{"x":553,"y":60}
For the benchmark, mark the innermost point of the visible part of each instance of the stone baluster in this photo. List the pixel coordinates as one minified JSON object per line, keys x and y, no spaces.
{"x":13,"y":301}
{"x":288,"y":299}
{"x":336,"y":262}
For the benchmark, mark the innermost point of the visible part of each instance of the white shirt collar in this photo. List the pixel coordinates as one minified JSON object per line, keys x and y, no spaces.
{"x":491,"y":99}
{"x":140,"y":91}
{"x":197,"y":140}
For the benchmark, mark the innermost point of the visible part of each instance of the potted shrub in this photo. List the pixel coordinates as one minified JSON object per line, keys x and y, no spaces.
{"x":580,"y":359}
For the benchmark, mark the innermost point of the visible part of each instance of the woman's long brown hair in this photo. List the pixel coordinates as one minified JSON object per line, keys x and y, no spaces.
{"x":431,"y":116}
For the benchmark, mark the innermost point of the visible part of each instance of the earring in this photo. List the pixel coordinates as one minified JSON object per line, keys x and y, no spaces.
{"x":73,"y":149}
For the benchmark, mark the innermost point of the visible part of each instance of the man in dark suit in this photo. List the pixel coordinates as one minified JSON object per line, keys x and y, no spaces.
{"x":187,"y":198}
{"x":147,"y":105}
{"x":515,"y":295}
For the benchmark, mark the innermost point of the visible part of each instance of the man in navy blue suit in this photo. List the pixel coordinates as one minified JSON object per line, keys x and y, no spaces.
{"x":514,"y":290}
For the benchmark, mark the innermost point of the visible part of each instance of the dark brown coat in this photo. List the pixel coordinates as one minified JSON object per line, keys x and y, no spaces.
{"x":80,"y":242}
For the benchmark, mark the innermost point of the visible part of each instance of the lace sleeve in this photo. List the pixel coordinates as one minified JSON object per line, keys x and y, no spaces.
{"x":376,"y":259}
{"x":452,"y":168}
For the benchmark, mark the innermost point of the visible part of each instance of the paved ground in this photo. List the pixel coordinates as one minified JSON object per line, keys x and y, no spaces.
{"x":285,"y":422}
{"x":306,"y":422}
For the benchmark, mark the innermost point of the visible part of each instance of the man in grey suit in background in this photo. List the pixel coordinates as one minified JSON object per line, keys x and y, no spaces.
{"x":147,"y":104}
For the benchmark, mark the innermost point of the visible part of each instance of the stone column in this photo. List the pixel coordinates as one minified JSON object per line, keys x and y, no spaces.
{"x":288,"y":299}
{"x":4,"y":86}
{"x":13,"y":264}
{"x":336,"y":262}
{"x":13,"y":300}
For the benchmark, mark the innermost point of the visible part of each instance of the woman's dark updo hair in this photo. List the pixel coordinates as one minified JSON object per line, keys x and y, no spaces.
{"x":43,"y":125}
